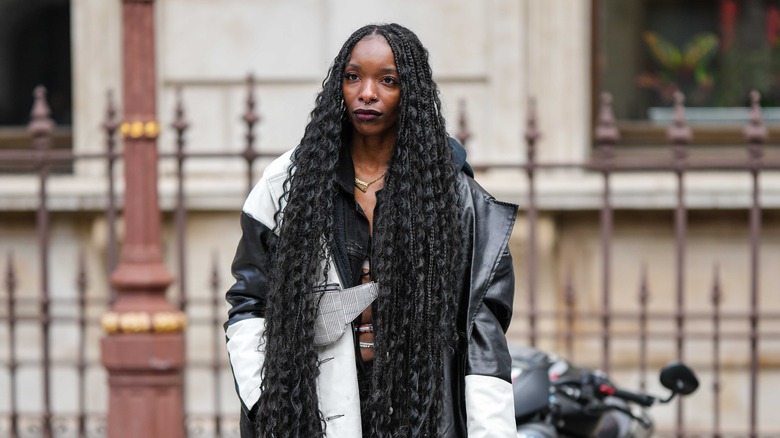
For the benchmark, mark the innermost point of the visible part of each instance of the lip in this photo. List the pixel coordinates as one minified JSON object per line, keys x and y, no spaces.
{"x":366,"y":115}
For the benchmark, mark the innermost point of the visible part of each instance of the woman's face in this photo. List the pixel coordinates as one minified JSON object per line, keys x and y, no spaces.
{"x":371,"y":88}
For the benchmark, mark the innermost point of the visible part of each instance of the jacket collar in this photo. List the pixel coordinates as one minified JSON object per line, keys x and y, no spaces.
{"x":345,"y":170}
{"x":459,"y":157}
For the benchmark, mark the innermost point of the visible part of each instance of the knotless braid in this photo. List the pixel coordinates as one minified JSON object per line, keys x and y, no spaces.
{"x":416,"y":259}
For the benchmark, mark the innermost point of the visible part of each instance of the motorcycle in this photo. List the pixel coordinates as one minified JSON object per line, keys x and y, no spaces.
{"x":554,"y":399}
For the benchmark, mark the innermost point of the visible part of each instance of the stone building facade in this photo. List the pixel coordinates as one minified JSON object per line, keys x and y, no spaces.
{"x":493,"y":55}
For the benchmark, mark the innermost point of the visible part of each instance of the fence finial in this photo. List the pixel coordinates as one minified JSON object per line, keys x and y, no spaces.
{"x":463,"y":135}
{"x":644,"y":290}
{"x":179,"y":123}
{"x":82,"y":281}
{"x":111,"y":122}
{"x":10,"y":275}
{"x":568,"y":289}
{"x":214,"y":281}
{"x":679,"y":133}
{"x":717,"y":295}
{"x":41,"y":124}
{"x":755,"y":132}
{"x":251,"y":118}
{"x":531,"y":131}
{"x":606,"y":133}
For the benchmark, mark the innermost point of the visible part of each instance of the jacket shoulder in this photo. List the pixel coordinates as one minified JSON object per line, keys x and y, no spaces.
{"x":278,"y":167}
{"x":266,"y":196}
{"x":477,"y":195}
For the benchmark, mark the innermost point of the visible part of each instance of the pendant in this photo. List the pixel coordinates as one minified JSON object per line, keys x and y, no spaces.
{"x":361,"y":185}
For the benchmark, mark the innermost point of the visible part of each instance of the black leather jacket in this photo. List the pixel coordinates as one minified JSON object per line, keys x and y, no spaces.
{"x":477,"y":375}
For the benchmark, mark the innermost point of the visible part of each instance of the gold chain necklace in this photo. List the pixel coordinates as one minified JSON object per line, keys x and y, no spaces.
{"x":363,"y":186}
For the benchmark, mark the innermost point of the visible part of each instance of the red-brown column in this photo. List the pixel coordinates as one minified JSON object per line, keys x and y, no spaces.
{"x":143,"y":350}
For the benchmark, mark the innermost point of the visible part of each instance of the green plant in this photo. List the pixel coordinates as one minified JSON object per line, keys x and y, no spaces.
{"x":686,"y":69}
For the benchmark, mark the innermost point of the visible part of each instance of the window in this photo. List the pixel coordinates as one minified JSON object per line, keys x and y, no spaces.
{"x":34,"y":50}
{"x":714,"y":51}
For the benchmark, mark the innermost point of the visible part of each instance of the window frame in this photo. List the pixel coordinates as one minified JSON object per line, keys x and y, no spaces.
{"x":637,"y":134}
{"x":16,"y":137}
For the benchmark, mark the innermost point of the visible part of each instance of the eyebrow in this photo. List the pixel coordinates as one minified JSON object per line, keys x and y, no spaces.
{"x":384,"y":70}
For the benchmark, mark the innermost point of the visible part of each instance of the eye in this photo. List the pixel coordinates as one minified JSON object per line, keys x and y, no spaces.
{"x":389,"y":80}
{"x":350,"y":76}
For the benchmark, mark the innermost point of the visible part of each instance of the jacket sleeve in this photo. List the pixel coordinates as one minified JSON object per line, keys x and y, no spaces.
{"x":247,"y":297}
{"x":489,"y":396}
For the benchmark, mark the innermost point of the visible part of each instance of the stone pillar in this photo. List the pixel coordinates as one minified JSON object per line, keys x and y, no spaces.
{"x":143,"y":350}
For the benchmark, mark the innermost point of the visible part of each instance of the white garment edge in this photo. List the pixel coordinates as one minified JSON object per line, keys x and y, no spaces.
{"x":246,"y":357}
{"x":262,"y":202}
{"x":244,"y":337}
{"x":490,"y":407}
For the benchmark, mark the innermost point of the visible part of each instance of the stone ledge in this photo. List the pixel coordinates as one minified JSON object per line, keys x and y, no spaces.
{"x":559,"y":190}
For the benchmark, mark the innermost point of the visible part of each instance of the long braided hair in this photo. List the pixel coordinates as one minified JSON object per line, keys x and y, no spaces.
{"x":417,"y":260}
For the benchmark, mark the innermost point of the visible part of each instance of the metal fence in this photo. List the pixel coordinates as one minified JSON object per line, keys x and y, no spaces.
{"x":44,"y":313}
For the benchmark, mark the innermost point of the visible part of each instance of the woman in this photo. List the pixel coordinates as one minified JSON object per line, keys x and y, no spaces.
{"x":373,"y":281}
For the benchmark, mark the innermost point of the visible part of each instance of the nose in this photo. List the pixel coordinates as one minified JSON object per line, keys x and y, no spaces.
{"x":368,"y":92}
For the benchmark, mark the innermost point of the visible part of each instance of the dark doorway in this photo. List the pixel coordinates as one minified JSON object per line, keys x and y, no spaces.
{"x":35,"y":50}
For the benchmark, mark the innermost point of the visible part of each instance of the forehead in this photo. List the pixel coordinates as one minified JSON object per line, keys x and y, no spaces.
{"x":374,"y":49}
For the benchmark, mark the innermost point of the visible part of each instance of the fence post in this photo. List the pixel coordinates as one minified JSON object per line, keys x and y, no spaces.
{"x":143,"y":350}
{"x":680,"y":134}
{"x":606,"y":135}
{"x":180,"y":125}
{"x":531,"y":136}
{"x":41,"y":126}
{"x":251,"y":118}
{"x":644,"y":297}
{"x":13,"y":363}
{"x":716,"y":298}
{"x":755,"y":134}
{"x":110,"y":126}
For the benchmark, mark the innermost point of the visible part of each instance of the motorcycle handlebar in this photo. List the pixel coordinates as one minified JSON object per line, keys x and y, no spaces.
{"x":605,"y":387}
{"x":642,"y":399}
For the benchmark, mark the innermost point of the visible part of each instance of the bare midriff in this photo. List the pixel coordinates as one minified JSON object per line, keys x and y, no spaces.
{"x":365,"y":320}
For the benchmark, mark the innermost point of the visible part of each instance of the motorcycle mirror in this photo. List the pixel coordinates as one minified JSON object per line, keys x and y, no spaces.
{"x":679,"y":378}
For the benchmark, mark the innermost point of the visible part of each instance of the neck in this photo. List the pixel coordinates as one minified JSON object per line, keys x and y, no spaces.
{"x":370,"y":154}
